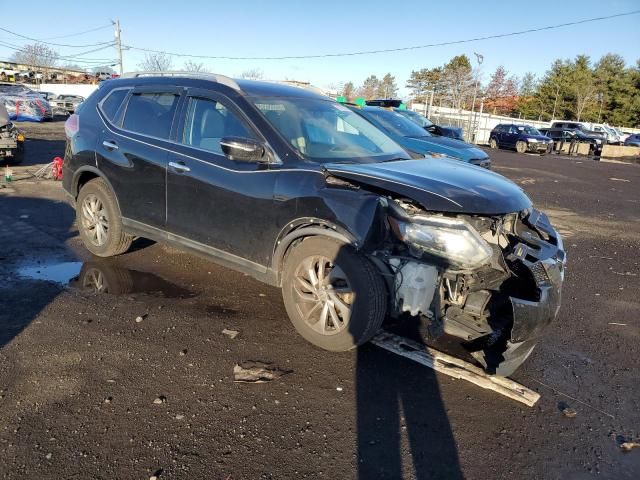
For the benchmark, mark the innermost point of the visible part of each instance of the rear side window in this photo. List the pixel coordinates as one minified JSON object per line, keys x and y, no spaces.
{"x":111,"y":104}
{"x":150,"y":114}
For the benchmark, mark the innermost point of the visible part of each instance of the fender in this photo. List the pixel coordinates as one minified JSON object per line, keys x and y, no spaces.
{"x":88,"y":168}
{"x":305,"y":227}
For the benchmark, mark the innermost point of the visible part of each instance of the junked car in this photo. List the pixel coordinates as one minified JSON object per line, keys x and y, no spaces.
{"x":417,"y":140}
{"x":11,"y":139}
{"x":23,"y":104}
{"x":304,"y":194}
{"x":65,"y":104}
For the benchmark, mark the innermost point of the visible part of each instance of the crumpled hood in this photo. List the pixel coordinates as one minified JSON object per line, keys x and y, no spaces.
{"x":446,"y":146}
{"x":439,"y":185}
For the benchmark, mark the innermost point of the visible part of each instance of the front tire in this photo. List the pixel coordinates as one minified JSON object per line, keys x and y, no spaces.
{"x":492,"y":143}
{"x":334,"y":296}
{"x":521,"y":147}
{"x":99,"y":222}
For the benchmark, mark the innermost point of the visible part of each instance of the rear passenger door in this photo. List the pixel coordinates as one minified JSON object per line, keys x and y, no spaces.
{"x":213,"y":201}
{"x":132,"y":152}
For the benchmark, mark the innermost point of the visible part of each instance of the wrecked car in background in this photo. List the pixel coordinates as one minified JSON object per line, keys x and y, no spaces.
{"x":65,"y":104}
{"x":24,"y":104}
{"x":11,"y":139}
{"x":304,"y":194}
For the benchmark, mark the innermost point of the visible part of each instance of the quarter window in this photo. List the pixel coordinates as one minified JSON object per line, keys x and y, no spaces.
{"x":151,"y":114}
{"x":208,"y":121}
{"x":111,"y":104}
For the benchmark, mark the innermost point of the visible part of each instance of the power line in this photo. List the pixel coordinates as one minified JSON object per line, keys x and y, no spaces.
{"x":79,"y":33}
{"x":390,"y":50}
{"x":74,"y":57}
{"x":50,"y":43}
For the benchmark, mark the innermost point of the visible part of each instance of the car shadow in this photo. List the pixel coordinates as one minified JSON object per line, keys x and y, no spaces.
{"x":403,"y":430}
{"x":24,"y":244}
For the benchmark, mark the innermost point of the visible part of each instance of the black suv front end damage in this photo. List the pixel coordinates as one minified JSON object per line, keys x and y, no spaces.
{"x":498,"y":303}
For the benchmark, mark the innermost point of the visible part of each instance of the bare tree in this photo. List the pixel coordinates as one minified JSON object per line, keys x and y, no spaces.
{"x":156,"y":62}
{"x":191,"y":66}
{"x":253,"y":74}
{"x":37,"y":55}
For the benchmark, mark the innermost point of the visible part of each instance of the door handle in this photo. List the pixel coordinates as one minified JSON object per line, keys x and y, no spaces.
{"x":179,"y":167}
{"x":109,"y":145}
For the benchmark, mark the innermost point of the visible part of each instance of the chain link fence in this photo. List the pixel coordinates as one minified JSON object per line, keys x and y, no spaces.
{"x":476,"y":126}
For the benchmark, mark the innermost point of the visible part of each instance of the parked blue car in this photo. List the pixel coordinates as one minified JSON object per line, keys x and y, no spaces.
{"x":417,"y":140}
{"x":521,"y":137}
{"x":633,"y":140}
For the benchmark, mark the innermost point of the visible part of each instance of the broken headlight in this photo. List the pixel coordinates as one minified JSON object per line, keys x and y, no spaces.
{"x":451,"y":239}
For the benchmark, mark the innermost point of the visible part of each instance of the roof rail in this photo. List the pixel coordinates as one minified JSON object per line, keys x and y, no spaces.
{"x":228,"y":81}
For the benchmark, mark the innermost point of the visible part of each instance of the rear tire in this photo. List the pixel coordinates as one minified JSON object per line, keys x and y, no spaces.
{"x":334,"y":296}
{"x":99,"y":222}
{"x":492,"y":143}
{"x":521,"y":147}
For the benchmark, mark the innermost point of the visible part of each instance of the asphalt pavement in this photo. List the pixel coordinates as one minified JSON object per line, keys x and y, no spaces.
{"x":138,"y":382}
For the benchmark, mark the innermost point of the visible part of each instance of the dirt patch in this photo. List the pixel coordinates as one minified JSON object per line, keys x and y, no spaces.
{"x":570,"y":224}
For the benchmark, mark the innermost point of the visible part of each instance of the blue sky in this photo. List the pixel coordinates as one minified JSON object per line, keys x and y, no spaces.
{"x":285,"y":27}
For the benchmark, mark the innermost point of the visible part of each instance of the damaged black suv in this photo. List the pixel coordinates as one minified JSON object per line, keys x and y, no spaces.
{"x":284,"y":184}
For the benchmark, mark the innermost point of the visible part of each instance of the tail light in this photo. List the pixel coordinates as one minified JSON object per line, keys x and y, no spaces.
{"x":72,"y":125}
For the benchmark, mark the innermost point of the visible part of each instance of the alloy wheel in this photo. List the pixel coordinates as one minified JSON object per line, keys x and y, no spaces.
{"x":94,"y":281}
{"x":323,"y":295}
{"x":95,"y":220}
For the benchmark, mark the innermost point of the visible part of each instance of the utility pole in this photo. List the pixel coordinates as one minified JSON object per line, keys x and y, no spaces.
{"x":433,"y":90}
{"x":118,"y":35}
{"x":601,"y":98}
{"x":553,"y":115}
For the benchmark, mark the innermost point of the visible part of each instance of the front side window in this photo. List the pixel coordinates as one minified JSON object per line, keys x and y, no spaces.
{"x":208,"y":121}
{"x":325,"y":131}
{"x":151,"y":114}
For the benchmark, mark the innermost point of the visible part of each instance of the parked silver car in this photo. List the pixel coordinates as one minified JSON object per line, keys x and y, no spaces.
{"x":65,"y":104}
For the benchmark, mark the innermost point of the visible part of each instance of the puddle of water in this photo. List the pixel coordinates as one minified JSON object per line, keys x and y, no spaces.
{"x":59,"y":272}
{"x":103,"y":277}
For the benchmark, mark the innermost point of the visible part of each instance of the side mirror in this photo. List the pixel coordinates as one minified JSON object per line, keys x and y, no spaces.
{"x":243,"y":149}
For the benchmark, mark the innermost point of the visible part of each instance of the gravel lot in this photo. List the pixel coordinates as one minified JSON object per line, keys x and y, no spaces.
{"x":86,"y":391}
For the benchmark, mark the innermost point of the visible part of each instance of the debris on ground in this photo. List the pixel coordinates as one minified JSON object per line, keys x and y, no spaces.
{"x":454,"y":367}
{"x":230,"y":333}
{"x":566,"y":410}
{"x":160,"y":400}
{"x":140,"y":318}
{"x":619,"y":179}
{"x":628,"y":446}
{"x":257,"y":372}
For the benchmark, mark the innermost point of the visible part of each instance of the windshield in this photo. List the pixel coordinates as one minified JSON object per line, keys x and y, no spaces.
{"x":325,"y":131}
{"x":394,"y":123}
{"x":415,"y":117}
{"x":529,"y":130}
